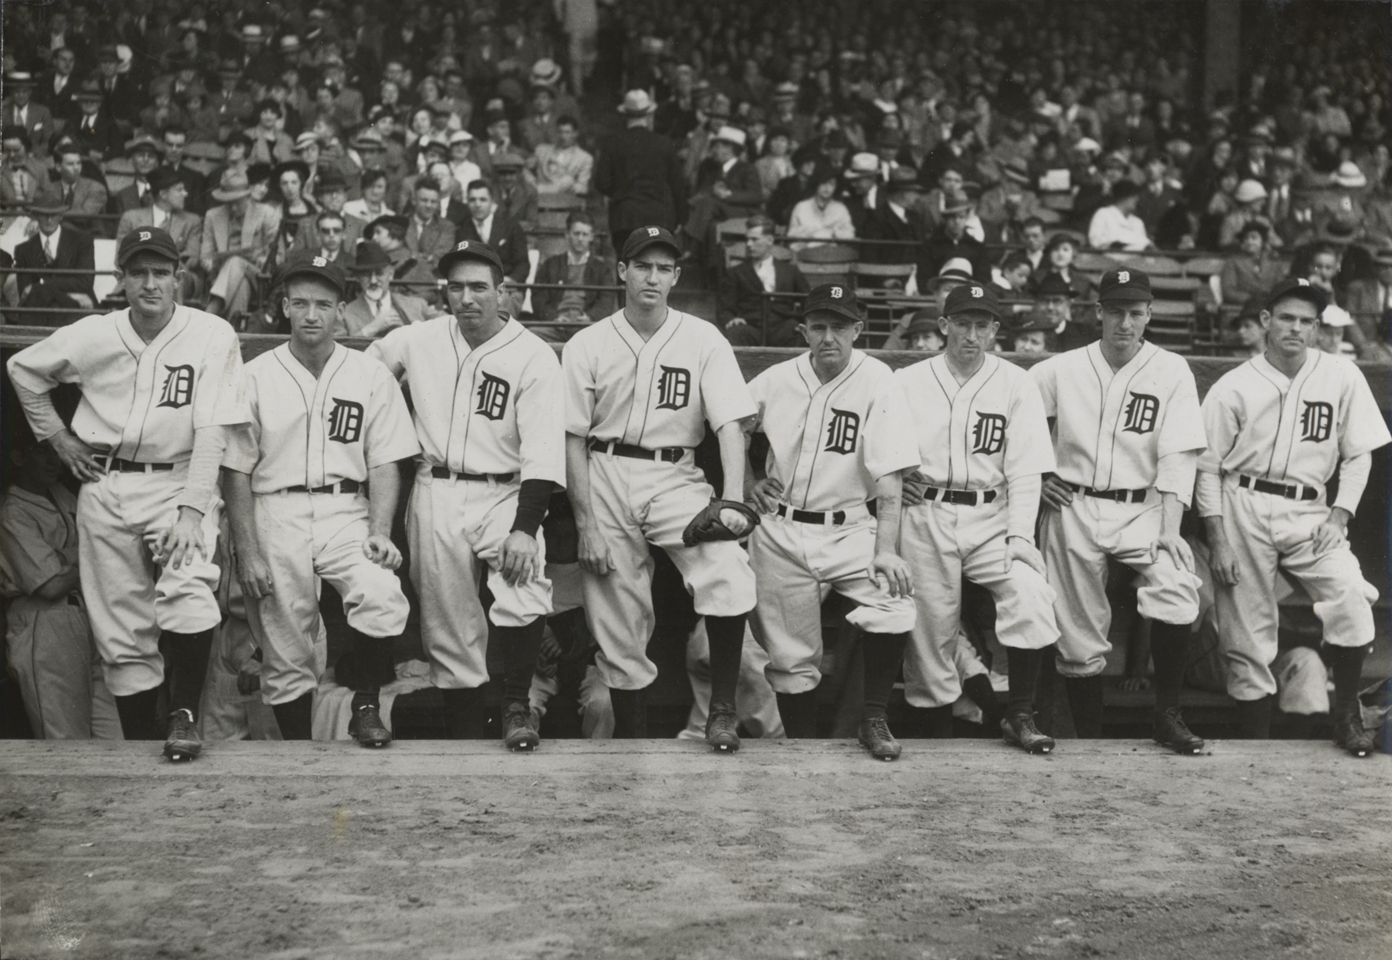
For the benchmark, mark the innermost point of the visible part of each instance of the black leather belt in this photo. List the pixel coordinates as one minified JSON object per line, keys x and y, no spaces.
{"x":445,"y":473}
{"x":665,"y":455}
{"x":343,"y":486}
{"x":811,"y":516}
{"x":964,"y":497}
{"x":134,"y":466}
{"x":1291,"y":491}
{"x":1120,"y":496}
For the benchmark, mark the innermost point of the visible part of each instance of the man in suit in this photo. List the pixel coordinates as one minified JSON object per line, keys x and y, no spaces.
{"x":1370,"y":303}
{"x":726,"y":186}
{"x":950,"y":240}
{"x":492,"y":225}
{"x":516,"y":197}
{"x":389,"y":233}
{"x":19,"y":109}
{"x":59,"y":85}
{"x":84,"y":198}
{"x":169,"y":188}
{"x":741,"y":295}
{"x":428,"y":235}
{"x":237,"y":239}
{"x":54,"y":247}
{"x":378,"y":307}
{"x":639,"y":172}
{"x":122,"y":96}
{"x":22,"y":176}
{"x":1134,"y":129}
{"x":94,"y":129}
{"x":144,"y":153}
{"x":578,"y":265}
{"x":332,"y":193}
{"x":175,"y":139}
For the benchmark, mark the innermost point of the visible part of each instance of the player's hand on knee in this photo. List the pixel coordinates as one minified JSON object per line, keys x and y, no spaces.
{"x":519,"y":558}
{"x":767,"y":493}
{"x":1055,"y":493}
{"x":381,"y":551}
{"x":594,"y":553}
{"x":889,"y":570}
{"x":915,"y":484}
{"x":183,"y":540}
{"x":1018,"y":548}
{"x":1174,"y":545}
{"x":81,"y":460}
{"x":1223,"y":562}
{"x":253,"y":574}
{"x":1328,"y":536}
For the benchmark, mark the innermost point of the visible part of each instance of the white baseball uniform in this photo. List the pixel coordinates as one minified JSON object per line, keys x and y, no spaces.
{"x":141,"y":402}
{"x":828,"y":444}
{"x":985,"y":441}
{"x":1130,"y":433}
{"x":317,"y":434}
{"x":48,"y":643}
{"x":657,"y":395}
{"x":1266,"y":428}
{"x":494,"y":414}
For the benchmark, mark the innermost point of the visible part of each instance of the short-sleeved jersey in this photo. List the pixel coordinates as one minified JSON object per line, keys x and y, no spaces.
{"x":1266,"y":425}
{"x":655,"y":393}
{"x":492,"y":410}
{"x":142,"y":401}
{"x":1113,"y":427}
{"x":38,"y":538}
{"x":829,"y":442}
{"x":978,"y":435}
{"x":312,"y":432}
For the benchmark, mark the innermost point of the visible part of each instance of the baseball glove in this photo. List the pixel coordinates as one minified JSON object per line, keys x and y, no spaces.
{"x":708,"y":526}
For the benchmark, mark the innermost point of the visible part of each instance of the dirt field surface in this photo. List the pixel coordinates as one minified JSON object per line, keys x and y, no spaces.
{"x":655,"y":849}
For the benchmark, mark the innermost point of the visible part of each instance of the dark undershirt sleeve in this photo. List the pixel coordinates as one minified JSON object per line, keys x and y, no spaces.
{"x":531,"y":505}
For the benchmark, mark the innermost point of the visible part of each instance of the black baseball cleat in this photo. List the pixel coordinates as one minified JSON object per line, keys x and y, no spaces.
{"x":720,"y":728}
{"x":1170,"y":731}
{"x":519,"y":730}
{"x":367,"y":728}
{"x":1019,"y":730}
{"x":1350,"y":734}
{"x":183,"y":742}
{"x":875,"y":737}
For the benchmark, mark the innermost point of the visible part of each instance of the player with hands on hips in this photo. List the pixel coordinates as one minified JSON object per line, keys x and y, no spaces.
{"x":835,"y":419}
{"x":311,"y":485}
{"x":1127,"y":435}
{"x":983,"y":444}
{"x":641,"y":386}
{"x":161,"y":384}
{"x":1279,"y":426}
{"x":488,"y":399}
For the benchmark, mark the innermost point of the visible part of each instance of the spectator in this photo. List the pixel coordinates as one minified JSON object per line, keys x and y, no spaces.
{"x":742,"y":306}
{"x":372,"y":204}
{"x":163,"y":110}
{"x":563,"y":167}
{"x":175,"y":140}
{"x":821,"y":216}
{"x":428,"y":235}
{"x":269,"y":144}
{"x":1250,"y":334}
{"x":1116,"y":226}
{"x":1329,"y":335}
{"x":409,"y":272}
{"x":461,"y":165}
{"x":922,"y":333}
{"x":497,"y":143}
{"x":94,"y":128}
{"x":515,"y":196}
{"x":144,"y":154}
{"x":950,"y":241}
{"x":1251,"y":271}
{"x":1250,"y":199}
{"x":1005,"y":207}
{"x":238,"y":235}
{"x":170,"y":192}
{"x":1029,"y":334}
{"x":795,"y":187}
{"x":579,"y":265}
{"x":1370,"y":300}
{"x":539,"y":126}
{"x":727,"y":186}
{"x":20,"y":110}
{"x":60,"y":83}
{"x":452,"y":206}
{"x":775,"y":165}
{"x":330,"y":229}
{"x":1279,"y":206}
{"x":332,"y":196}
{"x":54,"y":247}
{"x":1053,"y":298}
{"x":1159,"y":196}
{"x":492,"y":225}
{"x":640,"y":174}
{"x":1134,"y":129}
{"x":378,"y":308}
{"x":1032,"y":236}
{"x":21,"y":175}
{"x":953,"y":273}
{"x":863,"y":196}
{"x":118,"y":89}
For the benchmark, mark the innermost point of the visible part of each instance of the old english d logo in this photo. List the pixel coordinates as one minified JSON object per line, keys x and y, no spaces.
{"x":492,"y":397}
{"x":178,"y":386}
{"x":673,"y":388}
{"x":345,"y":421}
{"x":1316,"y":421}
{"x":988,"y":435}
{"x":842,"y":431}
{"x":1141,"y":411}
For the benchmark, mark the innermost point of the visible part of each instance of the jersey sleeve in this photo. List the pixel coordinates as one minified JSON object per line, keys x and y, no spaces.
{"x":243,"y":451}
{"x":889,"y":445}
{"x":37,"y":369}
{"x":1364,"y":430}
{"x":390,"y":434}
{"x":577,"y":368}
{"x":1183,"y":427}
{"x":220,"y":395}
{"x":1221,"y":427}
{"x":724,"y":392}
{"x":30,"y":561}
{"x":541,"y":419}
{"x":759,"y":389}
{"x":1044,"y":375}
{"x":1028,"y":449}
{"x":390,"y":351}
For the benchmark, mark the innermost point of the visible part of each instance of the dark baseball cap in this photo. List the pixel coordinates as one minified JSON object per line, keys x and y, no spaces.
{"x":1124,"y":284}
{"x":315,"y":267}
{"x":1297,"y":287}
{"x":469,"y":250}
{"x":832,"y":298}
{"x":644,"y":237}
{"x":972,"y":296}
{"x":146,"y":240}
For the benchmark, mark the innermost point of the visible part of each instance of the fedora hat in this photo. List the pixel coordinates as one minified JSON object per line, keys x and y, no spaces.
{"x":234,"y":185}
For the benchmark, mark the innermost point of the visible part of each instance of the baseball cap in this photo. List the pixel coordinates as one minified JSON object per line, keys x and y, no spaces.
{"x":146,"y":240}
{"x":972,"y":296}
{"x":1297,"y":287}
{"x":1124,"y":284}
{"x":832,"y":298}
{"x":469,"y":250}
{"x":319,"y":268}
{"x":644,"y":237}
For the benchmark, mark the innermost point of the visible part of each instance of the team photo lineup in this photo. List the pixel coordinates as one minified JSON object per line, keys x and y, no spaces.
{"x":417,"y":389}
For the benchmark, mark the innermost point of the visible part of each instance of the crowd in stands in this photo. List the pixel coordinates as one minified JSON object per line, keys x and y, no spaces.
{"x":1012,"y":136}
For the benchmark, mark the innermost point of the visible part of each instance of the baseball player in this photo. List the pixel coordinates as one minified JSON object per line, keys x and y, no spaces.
{"x":311,"y":489}
{"x":161,"y":383}
{"x":489,"y":417}
{"x":834,"y":419}
{"x":1127,"y":435}
{"x":641,"y":385}
{"x":1278,"y":427}
{"x":982,"y":447}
